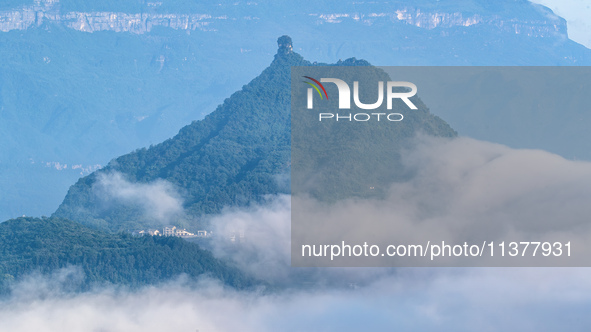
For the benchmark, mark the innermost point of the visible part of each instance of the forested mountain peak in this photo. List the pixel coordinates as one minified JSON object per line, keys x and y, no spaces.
{"x":234,"y":156}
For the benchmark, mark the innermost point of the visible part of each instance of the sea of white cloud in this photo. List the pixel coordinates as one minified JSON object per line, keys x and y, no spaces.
{"x":473,"y":178}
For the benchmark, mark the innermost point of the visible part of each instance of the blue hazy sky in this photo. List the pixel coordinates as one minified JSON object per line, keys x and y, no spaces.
{"x":577,"y":14}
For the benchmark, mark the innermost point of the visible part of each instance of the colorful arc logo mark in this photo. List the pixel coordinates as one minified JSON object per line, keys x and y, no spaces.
{"x":316,"y":87}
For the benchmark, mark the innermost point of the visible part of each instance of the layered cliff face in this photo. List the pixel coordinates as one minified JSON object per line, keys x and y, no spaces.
{"x":49,"y":11}
{"x":544,"y":26}
{"x":426,"y":16}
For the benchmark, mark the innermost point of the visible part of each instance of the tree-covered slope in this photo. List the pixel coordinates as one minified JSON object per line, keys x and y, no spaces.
{"x":340,"y":159}
{"x":29,"y":245}
{"x":234,"y":156}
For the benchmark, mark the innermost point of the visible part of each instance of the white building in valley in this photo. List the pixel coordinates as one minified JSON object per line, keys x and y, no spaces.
{"x":171,"y":231}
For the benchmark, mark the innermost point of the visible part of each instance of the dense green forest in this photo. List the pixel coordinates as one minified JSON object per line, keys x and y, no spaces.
{"x":231,"y":157}
{"x":235,"y":156}
{"x":29,"y":245}
{"x":333,"y":160}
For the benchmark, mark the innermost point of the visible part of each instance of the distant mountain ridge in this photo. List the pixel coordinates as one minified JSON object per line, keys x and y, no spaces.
{"x":235,"y":156}
{"x":48,"y":11}
{"x":145,"y":15}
